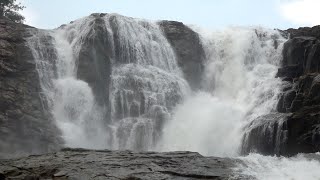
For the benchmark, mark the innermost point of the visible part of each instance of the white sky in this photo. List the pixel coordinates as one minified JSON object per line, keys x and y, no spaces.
{"x":206,"y":13}
{"x":302,"y":12}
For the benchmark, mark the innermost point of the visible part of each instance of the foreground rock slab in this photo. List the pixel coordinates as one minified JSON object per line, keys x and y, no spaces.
{"x":89,"y":164}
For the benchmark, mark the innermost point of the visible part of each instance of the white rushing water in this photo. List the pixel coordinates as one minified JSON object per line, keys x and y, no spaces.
{"x":146,"y":83}
{"x":70,"y":100}
{"x":280,"y":168}
{"x":151,"y":105}
{"x":145,"y":87}
{"x":239,"y":85}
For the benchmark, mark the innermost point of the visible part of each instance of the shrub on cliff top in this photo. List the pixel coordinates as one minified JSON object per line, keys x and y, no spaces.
{"x":10,"y":9}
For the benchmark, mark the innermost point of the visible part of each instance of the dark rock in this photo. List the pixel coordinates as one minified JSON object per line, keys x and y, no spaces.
{"x":294,"y":50}
{"x":303,"y":125}
{"x":289,"y":72}
{"x":300,"y":55}
{"x":297,"y":103}
{"x":94,"y":63}
{"x":188,"y":49}
{"x":25,"y":126}
{"x":303,"y":93}
{"x":88,"y":164}
{"x":304,"y":131}
{"x":285,"y":101}
{"x":301,"y":58}
{"x":266,"y":135}
{"x":304,"y":31}
{"x":314,"y":92}
{"x":284,"y":134}
{"x":313,"y":59}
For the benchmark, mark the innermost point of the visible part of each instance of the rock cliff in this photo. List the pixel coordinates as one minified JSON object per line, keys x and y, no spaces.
{"x":25,"y":125}
{"x":296,"y":127}
{"x":301,"y":58}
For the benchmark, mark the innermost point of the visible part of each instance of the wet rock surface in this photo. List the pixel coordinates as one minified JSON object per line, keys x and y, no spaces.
{"x":25,"y":126}
{"x":94,"y":64}
{"x":304,"y":31}
{"x":299,"y":102}
{"x":87,"y":164}
{"x":266,"y":135}
{"x":300,"y":99}
{"x":300,"y":56}
{"x":188,"y":48}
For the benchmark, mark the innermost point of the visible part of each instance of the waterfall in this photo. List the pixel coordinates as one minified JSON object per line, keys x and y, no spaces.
{"x":70,"y":100}
{"x":143,"y":102}
{"x":113,"y":82}
{"x":145,"y":81}
{"x":239,"y":85}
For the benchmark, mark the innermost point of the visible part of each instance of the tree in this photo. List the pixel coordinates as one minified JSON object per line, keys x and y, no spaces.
{"x":10,"y":8}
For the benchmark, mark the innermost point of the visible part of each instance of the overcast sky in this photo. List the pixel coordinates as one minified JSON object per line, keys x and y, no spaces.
{"x":281,"y":14}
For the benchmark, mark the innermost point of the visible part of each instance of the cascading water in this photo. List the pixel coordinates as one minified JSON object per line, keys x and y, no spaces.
{"x":147,"y":104}
{"x":239,"y":91}
{"x":146,"y":82}
{"x":70,"y":100}
{"x":239,"y":85}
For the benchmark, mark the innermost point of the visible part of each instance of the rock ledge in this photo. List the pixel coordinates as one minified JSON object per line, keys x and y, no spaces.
{"x":105,"y":164}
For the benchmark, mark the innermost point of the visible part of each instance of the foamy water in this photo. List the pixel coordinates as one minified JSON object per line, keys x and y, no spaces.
{"x":239,"y":85}
{"x":280,"y":168}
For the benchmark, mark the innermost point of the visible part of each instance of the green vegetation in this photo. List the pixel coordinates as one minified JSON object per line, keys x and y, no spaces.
{"x":10,"y":9}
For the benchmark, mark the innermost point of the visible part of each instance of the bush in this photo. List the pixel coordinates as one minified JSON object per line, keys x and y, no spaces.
{"x":9,"y":9}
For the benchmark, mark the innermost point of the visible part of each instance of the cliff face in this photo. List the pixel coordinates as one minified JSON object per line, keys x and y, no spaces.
{"x":25,"y":126}
{"x":296,"y":127}
{"x":302,"y":95}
